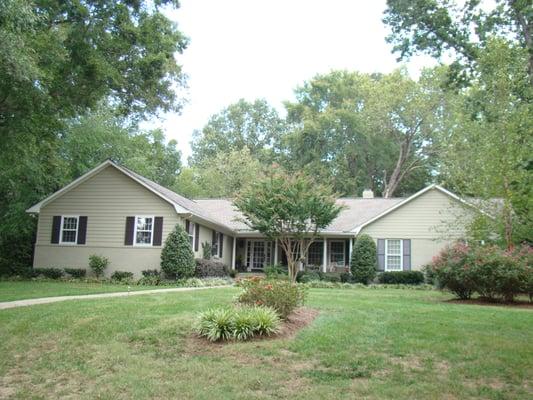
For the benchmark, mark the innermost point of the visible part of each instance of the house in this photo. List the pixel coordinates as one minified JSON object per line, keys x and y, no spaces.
{"x":115,"y":212}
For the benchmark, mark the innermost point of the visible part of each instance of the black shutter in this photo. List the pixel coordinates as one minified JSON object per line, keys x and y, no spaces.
{"x":56,"y":228}
{"x":406,"y":254}
{"x":158,"y":231}
{"x":221,"y":243}
{"x":82,"y":230}
{"x":381,"y":254}
{"x":130,"y":228}
{"x":187,"y":226}
{"x":347,"y":252}
{"x":196,"y":236}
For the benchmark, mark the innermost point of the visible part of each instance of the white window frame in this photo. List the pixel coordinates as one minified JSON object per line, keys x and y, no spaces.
{"x":343,"y":252}
{"x":151,"y":232}
{"x":387,"y":254}
{"x":192,"y":233}
{"x":75,"y":242}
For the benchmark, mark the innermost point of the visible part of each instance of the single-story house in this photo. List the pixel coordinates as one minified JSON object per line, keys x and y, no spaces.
{"x":115,"y":212}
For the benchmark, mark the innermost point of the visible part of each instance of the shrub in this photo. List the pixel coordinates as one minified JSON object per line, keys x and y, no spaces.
{"x":76,"y":272}
{"x":282,"y":296}
{"x":232,"y":273}
{"x":207,"y":250}
{"x":364,"y":260}
{"x":122,"y":276}
{"x":237,"y":323}
{"x":330,"y":276}
{"x":197,"y":282}
{"x":429,"y":275}
{"x":205,"y":268}
{"x":275,"y":272}
{"x":401,"y":278}
{"x":51,"y":273}
{"x":346,"y":277}
{"x":151,"y":273}
{"x":307,"y":276}
{"x":98,"y":264}
{"x":177,"y":258}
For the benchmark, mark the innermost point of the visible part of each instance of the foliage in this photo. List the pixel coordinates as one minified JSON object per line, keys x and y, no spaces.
{"x":282,"y":296}
{"x":357,"y":131}
{"x":346,"y":277}
{"x":240,"y":323}
{"x":51,"y":273}
{"x":275,"y":271}
{"x":401,"y":277}
{"x":98,"y":264}
{"x":205,"y":268}
{"x":207,"y":250}
{"x":460,"y":30}
{"x":488,"y":270}
{"x":76,"y":272}
{"x":122,"y":276}
{"x":307,"y":276}
{"x":58,"y":61}
{"x":177,"y":258}
{"x":290,"y":208}
{"x":364,"y":260}
{"x":204,"y":282}
{"x":255,"y":126}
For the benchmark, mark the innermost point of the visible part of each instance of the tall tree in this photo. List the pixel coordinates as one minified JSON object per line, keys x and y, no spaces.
{"x":488,"y":148}
{"x":460,"y":29}
{"x":256,"y":126}
{"x":57,"y":61}
{"x":360,"y":130}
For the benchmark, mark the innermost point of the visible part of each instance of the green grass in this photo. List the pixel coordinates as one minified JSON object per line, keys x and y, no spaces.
{"x":372,"y":344}
{"x":13,"y":290}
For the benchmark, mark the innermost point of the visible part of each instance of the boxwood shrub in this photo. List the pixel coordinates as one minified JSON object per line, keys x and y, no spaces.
{"x":122,"y":276}
{"x":51,"y":273}
{"x":210,"y":268}
{"x":401,"y":277}
{"x":77,"y":273}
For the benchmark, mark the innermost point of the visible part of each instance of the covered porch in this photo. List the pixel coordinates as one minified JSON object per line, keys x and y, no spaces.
{"x":326,"y":253}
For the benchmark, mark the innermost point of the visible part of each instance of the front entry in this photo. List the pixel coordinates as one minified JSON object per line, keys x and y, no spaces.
{"x":258,"y":254}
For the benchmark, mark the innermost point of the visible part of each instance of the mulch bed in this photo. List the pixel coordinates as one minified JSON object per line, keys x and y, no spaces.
{"x":481,"y":302}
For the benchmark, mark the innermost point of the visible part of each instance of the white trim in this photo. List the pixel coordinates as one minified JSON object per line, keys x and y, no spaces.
{"x":387,"y":254}
{"x":325,"y":255}
{"x":75,"y":242}
{"x":343,"y":251}
{"x":218,"y":241}
{"x":358,"y":228}
{"x":151,"y":231}
{"x":233,"y":254}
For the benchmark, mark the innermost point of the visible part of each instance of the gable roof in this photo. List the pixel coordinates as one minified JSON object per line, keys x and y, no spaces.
{"x":356,"y":214}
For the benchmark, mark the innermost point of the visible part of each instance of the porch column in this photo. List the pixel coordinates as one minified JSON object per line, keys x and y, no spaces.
{"x":275,"y":252}
{"x":325,"y":256}
{"x":350,"y":252}
{"x":233,"y":255}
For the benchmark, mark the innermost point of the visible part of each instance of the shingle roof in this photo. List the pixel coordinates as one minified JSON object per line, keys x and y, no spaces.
{"x":356,"y":212}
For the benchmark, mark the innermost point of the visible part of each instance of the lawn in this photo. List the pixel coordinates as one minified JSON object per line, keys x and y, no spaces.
{"x":372,"y":344}
{"x":34,"y":289}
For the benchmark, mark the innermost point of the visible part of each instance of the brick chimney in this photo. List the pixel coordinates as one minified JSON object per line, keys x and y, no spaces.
{"x":368,"y":194}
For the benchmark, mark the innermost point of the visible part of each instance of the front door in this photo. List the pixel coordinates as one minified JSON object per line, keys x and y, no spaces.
{"x":257,"y":254}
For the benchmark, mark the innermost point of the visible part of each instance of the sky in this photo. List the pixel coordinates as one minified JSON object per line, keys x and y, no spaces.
{"x":264,"y":49}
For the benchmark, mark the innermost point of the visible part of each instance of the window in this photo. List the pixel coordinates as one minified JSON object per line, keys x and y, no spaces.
{"x":315,"y":253}
{"x":393,"y":255}
{"x":216,"y":245}
{"x":69,"y":229}
{"x":144,"y":229}
{"x":336,"y":253}
{"x":190,"y":231}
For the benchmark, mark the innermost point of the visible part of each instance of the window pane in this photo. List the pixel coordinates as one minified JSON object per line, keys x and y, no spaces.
{"x":394,"y":263}
{"x":143,"y":237}
{"x":69,"y":236}
{"x":337,"y":252}
{"x":70,"y":223}
{"x":394,"y":247}
{"x":144,"y":224}
{"x":314,"y":256}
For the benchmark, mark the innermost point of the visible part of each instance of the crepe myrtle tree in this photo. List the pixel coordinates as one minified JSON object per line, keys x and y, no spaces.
{"x":289,"y":208}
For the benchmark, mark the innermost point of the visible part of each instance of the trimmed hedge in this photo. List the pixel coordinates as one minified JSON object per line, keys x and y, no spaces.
{"x":76,"y":272}
{"x":210,"y":268}
{"x":51,"y":273}
{"x":401,"y":278}
{"x":364,"y":260}
{"x":177,"y":258}
{"x":122,"y":276}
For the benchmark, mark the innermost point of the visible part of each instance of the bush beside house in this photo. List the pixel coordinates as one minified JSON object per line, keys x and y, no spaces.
{"x":364,"y":260}
{"x":177,"y":258}
{"x":210,"y":268}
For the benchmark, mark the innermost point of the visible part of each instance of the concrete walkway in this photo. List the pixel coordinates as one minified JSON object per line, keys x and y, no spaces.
{"x":46,"y":300}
